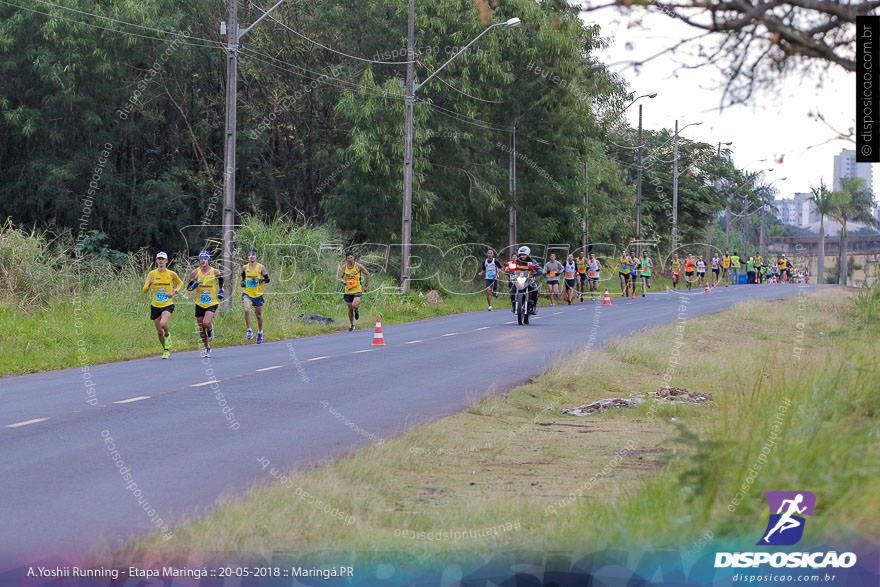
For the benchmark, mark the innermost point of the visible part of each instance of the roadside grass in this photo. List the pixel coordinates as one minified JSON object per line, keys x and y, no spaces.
{"x":512,"y":471}
{"x":58,"y":310}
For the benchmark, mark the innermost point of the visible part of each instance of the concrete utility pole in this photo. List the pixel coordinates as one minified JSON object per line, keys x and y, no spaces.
{"x":411,"y":89}
{"x":727,"y":206}
{"x":585,"y":226}
{"x":228,"y":219}
{"x":511,"y":181}
{"x":639,"y":186}
{"x":406,"y":215}
{"x":233,"y":38}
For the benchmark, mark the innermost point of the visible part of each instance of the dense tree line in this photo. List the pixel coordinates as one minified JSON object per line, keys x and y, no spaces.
{"x":129,"y":120}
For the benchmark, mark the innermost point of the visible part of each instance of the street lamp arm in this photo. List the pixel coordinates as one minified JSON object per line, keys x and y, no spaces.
{"x":243,"y":32}
{"x":460,"y":51}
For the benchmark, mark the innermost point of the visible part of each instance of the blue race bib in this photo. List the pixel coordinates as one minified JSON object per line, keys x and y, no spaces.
{"x":251,"y":282}
{"x":205,"y":298}
{"x":161,"y":296}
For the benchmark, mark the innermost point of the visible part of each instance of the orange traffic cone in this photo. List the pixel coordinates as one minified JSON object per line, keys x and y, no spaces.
{"x":633,"y":296}
{"x":607,"y":301}
{"x":378,"y":339}
{"x":707,"y":289}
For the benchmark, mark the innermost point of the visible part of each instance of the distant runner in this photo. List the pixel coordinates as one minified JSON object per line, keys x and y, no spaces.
{"x":581,"y":263}
{"x":716,"y":267}
{"x":491,"y":268}
{"x":624,"y":268}
{"x":570,"y":277}
{"x":735,"y":264}
{"x":208,"y":285}
{"x":350,"y":276}
{"x":253,"y":276}
{"x":675,"y":268}
{"x":163,"y":285}
{"x":553,"y":269}
{"x":701,"y":271}
{"x":593,"y":269}
{"x":689,"y":266}
{"x":725,"y":268}
{"x":645,"y":271}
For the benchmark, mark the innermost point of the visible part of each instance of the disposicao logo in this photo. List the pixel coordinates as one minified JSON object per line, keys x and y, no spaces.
{"x":786,"y":528}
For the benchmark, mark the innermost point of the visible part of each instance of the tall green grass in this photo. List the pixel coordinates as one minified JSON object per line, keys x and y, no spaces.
{"x":53,"y":301}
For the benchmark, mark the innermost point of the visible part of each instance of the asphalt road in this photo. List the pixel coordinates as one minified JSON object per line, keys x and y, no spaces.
{"x":66,"y":435}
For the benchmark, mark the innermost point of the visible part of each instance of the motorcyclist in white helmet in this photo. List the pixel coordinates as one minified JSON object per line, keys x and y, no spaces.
{"x":524,"y":262}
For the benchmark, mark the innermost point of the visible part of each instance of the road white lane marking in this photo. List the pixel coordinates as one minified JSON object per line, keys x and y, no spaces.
{"x":413,"y":341}
{"x":132,"y":399}
{"x":26,"y":422}
{"x":361,"y":351}
{"x":318,"y":358}
{"x":511,"y":322}
{"x":206,"y":383}
{"x":557,"y":313}
{"x":269,"y":368}
{"x":483,"y":328}
{"x":450,"y":334}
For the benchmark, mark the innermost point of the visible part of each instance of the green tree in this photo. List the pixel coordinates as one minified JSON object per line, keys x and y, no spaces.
{"x":825,"y":202}
{"x":853,"y":202}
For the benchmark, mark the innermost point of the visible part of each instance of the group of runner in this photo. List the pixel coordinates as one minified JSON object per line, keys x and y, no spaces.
{"x":581,"y":274}
{"x":163,"y":284}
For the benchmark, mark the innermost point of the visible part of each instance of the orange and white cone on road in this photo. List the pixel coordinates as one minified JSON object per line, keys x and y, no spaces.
{"x":707,"y":289}
{"x":378,"y":339}
{"x":607,"y":301}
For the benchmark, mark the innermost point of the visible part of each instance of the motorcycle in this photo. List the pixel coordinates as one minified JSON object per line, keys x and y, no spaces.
{"x":522,"y":284}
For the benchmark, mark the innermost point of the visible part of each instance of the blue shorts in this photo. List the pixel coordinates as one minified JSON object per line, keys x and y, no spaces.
{"x":493,"y":283}
{"x":257,"y":301}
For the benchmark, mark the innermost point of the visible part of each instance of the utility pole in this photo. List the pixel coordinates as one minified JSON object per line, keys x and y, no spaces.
{"x":228,"y":219}
{"x":406,"y":217}
{"x":233,"y":39}
{"x":675,"y":189}
{"x":639,"y":187}
{"x":511,"y":182}
{"x":585,"y":227}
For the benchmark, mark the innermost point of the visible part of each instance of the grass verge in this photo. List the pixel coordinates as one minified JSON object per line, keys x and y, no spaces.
{"x":513,"y":471}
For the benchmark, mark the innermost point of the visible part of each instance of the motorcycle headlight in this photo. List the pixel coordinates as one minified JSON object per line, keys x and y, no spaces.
{"x":521,"y":281}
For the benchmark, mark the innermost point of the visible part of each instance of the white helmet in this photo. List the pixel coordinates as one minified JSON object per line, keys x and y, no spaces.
{"x":524,"y":250}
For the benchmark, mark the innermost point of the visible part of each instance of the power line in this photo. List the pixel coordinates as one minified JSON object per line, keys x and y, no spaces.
{"x":122,"y":22}
{"x":56,"y":17}
{"x":322,"y":77}
{"x":325,"y":47}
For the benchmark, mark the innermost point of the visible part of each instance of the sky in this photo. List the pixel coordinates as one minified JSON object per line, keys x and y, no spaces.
{"x":773,"y":125}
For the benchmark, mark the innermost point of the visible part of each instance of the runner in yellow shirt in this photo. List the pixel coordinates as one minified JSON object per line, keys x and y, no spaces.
{"x":725,"y":268}
{"x":253,"y":276}
{"x":208,"y":285}
{"x":675,"y":266}
{"x":163,"y":284}
{"x":581,"y":264}
{"x":350,"y":276}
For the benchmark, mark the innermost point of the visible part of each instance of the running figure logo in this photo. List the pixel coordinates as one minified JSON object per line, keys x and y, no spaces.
{"x":786,"y":525}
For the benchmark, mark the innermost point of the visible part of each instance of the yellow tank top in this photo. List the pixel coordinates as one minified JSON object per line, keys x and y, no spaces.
{"x":164,"y":282}
{"x":253,"y":286}
{"x":725,"y":262}
{"x":206,"y":292}
{"x":676,"y":266}
{"x":581,"y":264}
{"x":352,"y":278}
{"x":625,"y":264}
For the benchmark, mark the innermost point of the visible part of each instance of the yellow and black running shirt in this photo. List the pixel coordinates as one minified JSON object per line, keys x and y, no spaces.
{"x":164,"y":282}
{"x":581,"y":264}
{"x":352,"y":278}
{"x":253,"y":284}
{"x":206,"y":291}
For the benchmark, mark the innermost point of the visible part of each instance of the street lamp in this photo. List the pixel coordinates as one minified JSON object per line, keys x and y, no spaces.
{"x":411,"y":89}
{"x":675,"y":183}
{"x":640,"y":167}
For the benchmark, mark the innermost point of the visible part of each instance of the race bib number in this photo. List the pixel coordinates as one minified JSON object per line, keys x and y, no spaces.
{"x":251,"y":282}
{"x":161,"y":296}
{"x":205,"y":298}
{"x":352,"y":282}
{"x":552,"y":274}
{"x":592,"y":274}
{"x":490,"y":274}
{"x":569,"y":275}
